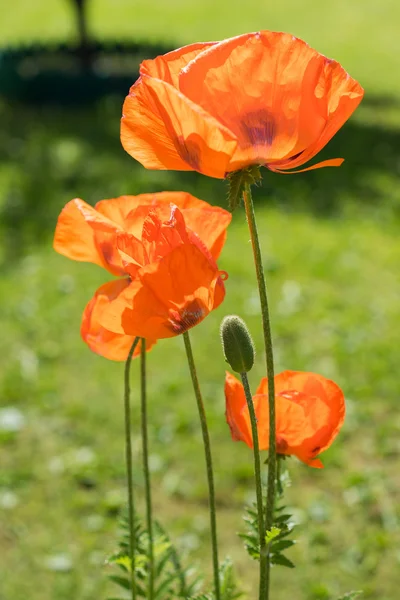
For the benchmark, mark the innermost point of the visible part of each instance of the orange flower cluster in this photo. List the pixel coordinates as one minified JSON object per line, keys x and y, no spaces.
{"x":163,"y":247}
{"x":309,"y":414}
{"x":262,"y":98}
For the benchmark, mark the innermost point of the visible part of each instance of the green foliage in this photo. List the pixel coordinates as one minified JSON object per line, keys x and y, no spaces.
{"x":228,"y":585}
{"x":229,"y":589}
{"x":351,"y":595}
{"x":276,"y":537}
{"x":171,"y":580}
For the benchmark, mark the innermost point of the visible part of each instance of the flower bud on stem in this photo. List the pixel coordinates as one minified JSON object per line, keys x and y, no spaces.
{"x":237,"y":344}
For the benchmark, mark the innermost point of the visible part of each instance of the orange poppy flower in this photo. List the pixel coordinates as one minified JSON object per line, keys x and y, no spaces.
{"x":309,"y":414}
{"x":128,"y":236}
{"x":262,"y":98}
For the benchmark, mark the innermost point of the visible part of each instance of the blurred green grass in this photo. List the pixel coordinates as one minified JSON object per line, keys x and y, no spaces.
{"x":330,"y":243}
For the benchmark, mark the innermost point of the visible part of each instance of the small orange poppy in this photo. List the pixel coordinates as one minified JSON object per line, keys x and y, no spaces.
{"x":262,"y":98}
{"x":127,"y":236}
{"x":309,"y":414}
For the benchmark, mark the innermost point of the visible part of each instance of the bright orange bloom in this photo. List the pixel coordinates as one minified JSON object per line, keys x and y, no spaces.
{"x":309,"y":414}
{"x":262,"y":98}
{"x":145,"y":240}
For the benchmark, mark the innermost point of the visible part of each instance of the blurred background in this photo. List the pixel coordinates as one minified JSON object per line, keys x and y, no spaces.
{"x":331,"y":251}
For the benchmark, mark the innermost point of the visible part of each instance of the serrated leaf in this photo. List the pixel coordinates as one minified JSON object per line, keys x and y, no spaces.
{"x":281,"y":545}
{"x":170,"y":579}
{"x":121,"y":581}
{"x":283,"y":518}
{"x":280,"y":559}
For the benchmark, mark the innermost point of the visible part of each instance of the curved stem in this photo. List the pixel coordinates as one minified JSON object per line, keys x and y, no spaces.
{"x":128,"y":455}
{"x":269,"y":512}
{"x":210,"y":473}
{"x":146,"y":470}
{"x":257,"y":473}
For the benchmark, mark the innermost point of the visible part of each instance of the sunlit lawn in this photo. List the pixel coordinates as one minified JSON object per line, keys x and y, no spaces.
{"x":330,"y":242}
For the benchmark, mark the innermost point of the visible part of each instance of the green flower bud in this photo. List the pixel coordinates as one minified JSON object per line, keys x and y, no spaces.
{"x":237,"y":344}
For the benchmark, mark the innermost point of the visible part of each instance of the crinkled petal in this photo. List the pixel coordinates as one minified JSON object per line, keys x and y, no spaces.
{"x":167,"y":298}
{"x":161,"y":237}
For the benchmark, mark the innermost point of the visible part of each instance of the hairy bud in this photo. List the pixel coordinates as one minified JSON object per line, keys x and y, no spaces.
{"x":237,"y":344}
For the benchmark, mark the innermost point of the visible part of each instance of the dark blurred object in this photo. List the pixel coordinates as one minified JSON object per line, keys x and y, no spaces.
{"x":84,"y":48}
{"x":66,"y":74}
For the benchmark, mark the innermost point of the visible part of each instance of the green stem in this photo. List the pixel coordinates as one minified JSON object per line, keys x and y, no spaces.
{"x":128,"y":455}
{"x":210,"y":473}
{"x":257,"y":473}
{"x":269,"y":513}
{"x":146,"y":470}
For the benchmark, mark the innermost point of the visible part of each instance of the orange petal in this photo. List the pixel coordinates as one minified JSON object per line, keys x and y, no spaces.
{"x":342,"y":95}
{"x":309,"y":414}
{"x":101,"y":341}
{"x":332,"y":162}
{"x":276,"y":113}
{"x":210,"y":224}
{"x":74,"y":237}
{"x":144,"y":135}
{"x":292,"y":104}
{"x":131,"y":252}
{"x":84,"y":234}
{"x":235,"y":407}
{"x":168,"y":66}
{"x":160,"y":238}
{"x":290,"y":421}
{"x":168,"y":298}
{"x":201,"y":141}
{"x":118,"y":209}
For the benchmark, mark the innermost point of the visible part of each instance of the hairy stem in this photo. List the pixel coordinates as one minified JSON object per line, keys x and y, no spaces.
{"x":257,"y":473}
{"x":269,"y":511}
{"x":209,"y":466}
{"x":128,"y":457}
{"x":146,"y":470}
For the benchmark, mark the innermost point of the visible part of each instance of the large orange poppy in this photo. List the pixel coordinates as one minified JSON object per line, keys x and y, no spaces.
{"x":262,"y":98}
{"x":309,"y":414}
{"x":137,"y":238}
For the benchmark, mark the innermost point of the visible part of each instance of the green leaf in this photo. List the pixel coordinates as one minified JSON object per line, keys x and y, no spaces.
{"x":272,"y":534}
{"x":283,"y":545}
{"x":351,"y":595}
{"x":280,"y":559}
{"x":121,"y":581}
{"x":171,"y":580}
